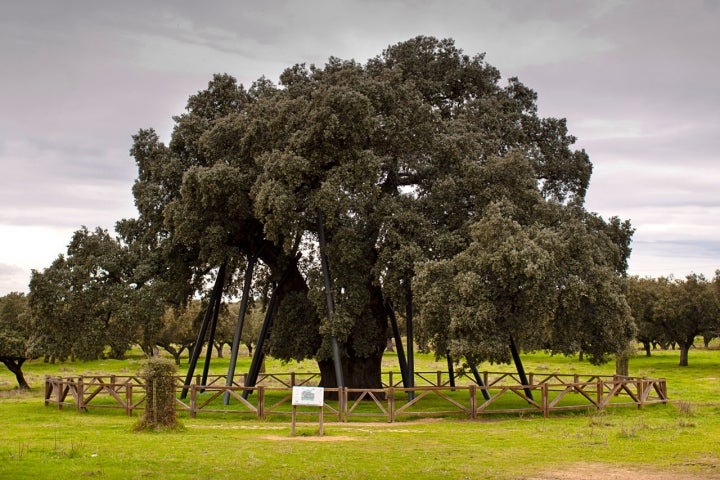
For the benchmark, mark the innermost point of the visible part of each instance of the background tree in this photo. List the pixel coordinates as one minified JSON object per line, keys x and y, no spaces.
{"x":16,"y":338}
{"x":688,"y":308}
{"x":251,"y":326}
{"x":178,"y":331}
{"x":78,"y":300}
{"x":403,"y":158}
{"x":642,"y":295}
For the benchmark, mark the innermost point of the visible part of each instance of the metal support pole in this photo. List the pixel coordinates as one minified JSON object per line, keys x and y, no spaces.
{"x":217,"y":290}
{"x":402,"y":361}
{"x":238,"y":329}
{"x":451,"y":370}
{"x":259,"y":355}
{"x":211,"y":340}
{"x":410,"y":340}
{"x":479,"y":380}
{"x":520,"y":368}
{"x":330,"y":303}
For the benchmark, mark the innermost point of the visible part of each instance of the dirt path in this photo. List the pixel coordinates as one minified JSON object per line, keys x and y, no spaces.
{"x":584,"y":471}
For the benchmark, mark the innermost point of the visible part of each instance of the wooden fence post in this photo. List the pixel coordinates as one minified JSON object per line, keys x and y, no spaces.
{"x":80,"y":394}
{"x":391,"y":403}
{"x":473,"y":401}
{"x":129,"y":399}
{"x":48,"y":389}
{"x":343,"y":405}
{"x":60,"y":393}
{"x":545,"y":392}
{"x":261,"y":402}
{"x":193,"y":400}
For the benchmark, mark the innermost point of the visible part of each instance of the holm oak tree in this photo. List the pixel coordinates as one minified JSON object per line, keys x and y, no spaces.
{"x":440,"y":189}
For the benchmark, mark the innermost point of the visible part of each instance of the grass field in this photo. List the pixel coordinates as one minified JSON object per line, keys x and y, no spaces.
{"x":680,"y":440}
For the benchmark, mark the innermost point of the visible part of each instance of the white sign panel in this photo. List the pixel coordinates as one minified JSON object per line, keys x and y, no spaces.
{"x":308,"y":396}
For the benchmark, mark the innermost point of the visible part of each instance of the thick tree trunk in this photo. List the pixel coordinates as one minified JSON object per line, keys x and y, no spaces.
{"x":684,"y":349}
{"x":361,"y":371}
{"x":647,"y":348}
{"x":622,"y":365}
{"x":357,"y":372}
{"x":175,"y":352}
{"x":15,"y":366}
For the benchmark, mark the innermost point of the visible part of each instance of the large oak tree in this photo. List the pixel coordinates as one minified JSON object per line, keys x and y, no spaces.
{"x":420,"y":162}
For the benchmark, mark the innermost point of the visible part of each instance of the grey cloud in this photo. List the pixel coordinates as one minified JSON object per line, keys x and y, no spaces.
{"x":79,"y":78}
{"x":12,"y":279}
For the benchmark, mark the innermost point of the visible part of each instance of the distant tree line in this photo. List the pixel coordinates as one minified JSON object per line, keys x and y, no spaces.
{"x":672,"y":312}
{"x":65,"y":320}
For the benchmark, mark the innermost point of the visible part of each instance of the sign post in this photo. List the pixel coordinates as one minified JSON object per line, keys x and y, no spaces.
{"x":307,"y":397}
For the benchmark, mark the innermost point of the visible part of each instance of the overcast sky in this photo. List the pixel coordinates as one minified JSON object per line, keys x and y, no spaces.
{"x":638,"y":81}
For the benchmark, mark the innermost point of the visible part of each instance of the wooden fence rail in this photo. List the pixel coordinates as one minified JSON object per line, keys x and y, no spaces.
{"x":501,"y":394}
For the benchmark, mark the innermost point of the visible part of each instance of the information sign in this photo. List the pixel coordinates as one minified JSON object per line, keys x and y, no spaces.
{"x":308,"y":396}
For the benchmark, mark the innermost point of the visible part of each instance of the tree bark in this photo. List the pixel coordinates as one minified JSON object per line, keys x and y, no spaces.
{"x":357,"y":372}
{"x":14,"y":364}
{"x":684,"y":349}
{"x":361,"y":371}
{"x":622,"y":365}
{"x":175,"y":352}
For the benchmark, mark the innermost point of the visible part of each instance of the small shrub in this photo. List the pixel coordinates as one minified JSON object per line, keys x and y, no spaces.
{"x":685,"y":408}
{"x":633,"y":430}
{"x":159,"y":376}
{"x":598,"y":419}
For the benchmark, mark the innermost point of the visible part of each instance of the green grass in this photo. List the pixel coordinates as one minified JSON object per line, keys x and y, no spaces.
{"x":681,"y":437}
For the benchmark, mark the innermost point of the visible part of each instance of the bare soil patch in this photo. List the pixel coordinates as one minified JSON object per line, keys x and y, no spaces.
{"x":583,"y":471}
{"x":310,"y":438}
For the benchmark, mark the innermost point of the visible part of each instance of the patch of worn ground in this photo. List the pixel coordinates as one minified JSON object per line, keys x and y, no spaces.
{"x":310,"y":438}
{"x":584,"y":471}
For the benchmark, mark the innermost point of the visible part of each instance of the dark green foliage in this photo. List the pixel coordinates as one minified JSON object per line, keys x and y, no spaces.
{"x":545,"y":276}
{"x":159,"y":376}
{"x":439,"y":187}
{"x":406,"y":157}
{"x":84,"y":301}
{"x":688,"y":308}
{"x":16,"y":335}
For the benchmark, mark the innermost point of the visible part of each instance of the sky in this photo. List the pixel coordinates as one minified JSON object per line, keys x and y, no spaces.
{"x":637,"y":81}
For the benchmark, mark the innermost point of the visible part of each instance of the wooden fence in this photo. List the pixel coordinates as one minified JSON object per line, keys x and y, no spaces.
{"x":501,"y":393}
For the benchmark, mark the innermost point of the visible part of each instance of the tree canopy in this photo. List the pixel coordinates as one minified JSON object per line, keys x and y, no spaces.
{"x":85,"y":301}
{"x":16,"y":334}
{"x":438,"y":187}
{"x":688,"y":308}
